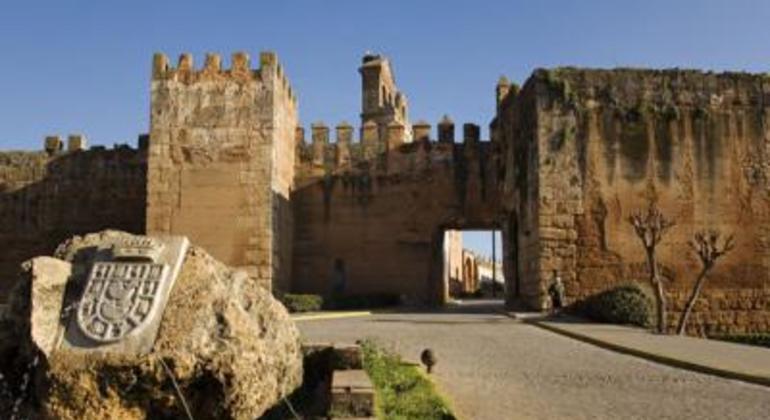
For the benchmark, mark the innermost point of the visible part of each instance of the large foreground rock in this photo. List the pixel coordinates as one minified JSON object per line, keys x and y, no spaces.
{"x":229,"y":346}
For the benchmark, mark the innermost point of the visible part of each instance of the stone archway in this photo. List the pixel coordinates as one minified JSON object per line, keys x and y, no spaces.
{"x":443,"y":284}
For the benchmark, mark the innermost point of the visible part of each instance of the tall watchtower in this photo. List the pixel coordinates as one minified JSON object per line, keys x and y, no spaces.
{"x":221,"y":160}
{"x":382,"y":102}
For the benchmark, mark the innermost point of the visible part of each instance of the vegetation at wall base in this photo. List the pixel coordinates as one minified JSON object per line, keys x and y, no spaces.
{"x":759,"y":339}
{"x":402,"y":391}
{"x":477,"y":294}
{"x":302,"y":303}
{"x":363,"y":301}
{"x":628,"y":304}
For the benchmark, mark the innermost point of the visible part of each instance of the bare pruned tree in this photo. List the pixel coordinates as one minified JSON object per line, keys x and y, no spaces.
{"x":706,"y":245}
{"x":650,"y":226}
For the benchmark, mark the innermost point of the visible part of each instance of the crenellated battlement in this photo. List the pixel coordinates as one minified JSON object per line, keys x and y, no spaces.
{"x":320,"y":155}
{"x":54,"y":144}
{"x":240,"y":70}
{"x":570,"y":153}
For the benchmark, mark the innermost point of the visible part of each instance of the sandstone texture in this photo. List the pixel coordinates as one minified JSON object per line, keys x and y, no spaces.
{"x":47,"y":198}
{"x":228,"y":346}
{"x":586,"y":148}
{"x":220,"y":164}
{"x":570,"y":155}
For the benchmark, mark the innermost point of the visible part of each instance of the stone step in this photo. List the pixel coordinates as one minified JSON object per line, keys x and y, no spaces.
{"x":352,"y":394}
{"x":348,"y":357}
{"x":342,"y":356}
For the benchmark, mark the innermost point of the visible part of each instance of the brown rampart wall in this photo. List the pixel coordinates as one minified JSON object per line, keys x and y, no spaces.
{"x":608,"y":142}
{"x":46,"y":198}
{"x":381,"y":207}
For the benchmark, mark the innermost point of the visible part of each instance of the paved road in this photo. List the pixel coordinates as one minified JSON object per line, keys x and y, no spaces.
{"x":493,"y":367}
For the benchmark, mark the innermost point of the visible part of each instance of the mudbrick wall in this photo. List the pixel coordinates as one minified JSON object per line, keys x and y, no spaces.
{"x":378,"y":219}
{"x":46,"y":197}
{"x":221,"y":160}
{"x":589,"y":147}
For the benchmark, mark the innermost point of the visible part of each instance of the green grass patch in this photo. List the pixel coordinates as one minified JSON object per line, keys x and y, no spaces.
{"x":402,"y":391}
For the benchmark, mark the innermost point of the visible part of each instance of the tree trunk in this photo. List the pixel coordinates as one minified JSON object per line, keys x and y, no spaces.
{"x":660,"y":297}
{"x":691,"y":302}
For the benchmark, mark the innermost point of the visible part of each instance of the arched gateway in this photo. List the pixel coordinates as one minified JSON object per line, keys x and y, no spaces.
{"x":570,"y":156}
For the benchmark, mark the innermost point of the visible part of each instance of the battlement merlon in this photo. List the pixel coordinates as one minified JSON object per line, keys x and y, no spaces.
{"x":240,"y":70}
{"x":322,"y":155}
{"x":53,"y":144}
{"x":396,"y":135}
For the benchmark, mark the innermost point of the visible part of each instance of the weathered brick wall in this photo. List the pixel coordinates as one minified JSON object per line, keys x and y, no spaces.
{"x":516,"y":126}
{"x":698,"y":144}
{"x":284,"y":155}
{"x":44,"y":199}
{"x":219,"y":172}
{"x":384,"y":217}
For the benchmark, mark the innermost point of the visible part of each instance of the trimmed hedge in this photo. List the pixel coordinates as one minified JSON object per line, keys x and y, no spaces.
{"x":761,"y":340}
{"x":302,"y":303}
{"x":628,"y":304}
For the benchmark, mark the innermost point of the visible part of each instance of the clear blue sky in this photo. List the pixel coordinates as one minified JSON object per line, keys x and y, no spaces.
{"x":481,"y":242}
{"x":77,"y":66}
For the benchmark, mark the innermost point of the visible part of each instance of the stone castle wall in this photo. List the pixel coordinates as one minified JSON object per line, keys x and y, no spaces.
{"x":221,"y":160}
{"x":48,"y":196}
{"x":602,"y":144}
{"x":381,"y":206}
{"x":572,"y":154}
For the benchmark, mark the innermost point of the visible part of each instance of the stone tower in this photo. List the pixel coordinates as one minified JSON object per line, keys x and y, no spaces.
{"x":221,"y":160}
{"x":381,"y":101}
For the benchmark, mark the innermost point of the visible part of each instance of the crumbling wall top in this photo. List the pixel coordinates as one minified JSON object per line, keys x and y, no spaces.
{"x":630,"y":87}
{"x":240,"y":70}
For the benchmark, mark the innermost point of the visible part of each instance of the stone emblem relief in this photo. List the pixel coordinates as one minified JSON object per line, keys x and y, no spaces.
{"x":118,"y":299}
{"x":140,"y":248}
{"x":121,"y":296}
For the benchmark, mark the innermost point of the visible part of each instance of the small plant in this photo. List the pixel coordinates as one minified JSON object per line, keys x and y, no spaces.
{"x":402,"y":391}
{"x":650,"y":226}
{"x":302,"y":303}
{"x":628,"y":304}
{"x":706,"y":245}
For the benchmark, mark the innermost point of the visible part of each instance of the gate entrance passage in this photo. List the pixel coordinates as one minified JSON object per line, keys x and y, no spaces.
{"x":472,"y":266}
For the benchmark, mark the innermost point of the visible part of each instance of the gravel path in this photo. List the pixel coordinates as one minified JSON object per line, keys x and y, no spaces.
{"x":492,"y":367}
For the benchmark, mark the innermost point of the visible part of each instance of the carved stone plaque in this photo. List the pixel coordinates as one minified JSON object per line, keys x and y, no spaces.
{"x":119,"y":298}
{"x":140,"y":248}
{"x":125,"y":294}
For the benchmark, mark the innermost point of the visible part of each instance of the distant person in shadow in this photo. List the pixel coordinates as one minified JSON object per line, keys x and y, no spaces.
{"x":556,"y":293}
{"x":339,"y":281}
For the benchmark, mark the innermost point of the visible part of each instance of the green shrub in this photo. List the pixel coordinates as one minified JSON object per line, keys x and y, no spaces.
{"x":364,"y":301}
{"x":302,"y":303}
{"x":762,"y":340}
{"x":402,"y":391}
{"x":627,"y":304}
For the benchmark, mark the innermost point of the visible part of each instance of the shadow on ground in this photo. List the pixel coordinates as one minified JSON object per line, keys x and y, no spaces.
{"x":467,"y":306}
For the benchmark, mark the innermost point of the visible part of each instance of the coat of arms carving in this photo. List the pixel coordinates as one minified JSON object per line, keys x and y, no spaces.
{"x":119,"y":298}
